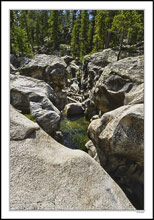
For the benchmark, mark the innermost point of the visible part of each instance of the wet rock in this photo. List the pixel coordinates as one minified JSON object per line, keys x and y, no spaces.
{"x":45,"y":175}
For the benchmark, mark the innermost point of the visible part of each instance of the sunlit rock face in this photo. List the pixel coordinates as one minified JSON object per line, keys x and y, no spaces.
{"x":50,"y":68}
{"x":119,"y":140}
{"x":117,"y":81}
{"x":45,"y":175}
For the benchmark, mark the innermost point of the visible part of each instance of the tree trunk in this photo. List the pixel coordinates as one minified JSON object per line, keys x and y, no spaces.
{"x":121,"y":44}
{"x":108,"y":39}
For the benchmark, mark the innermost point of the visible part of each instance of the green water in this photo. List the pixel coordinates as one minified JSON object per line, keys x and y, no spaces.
{"x":74,"y":130}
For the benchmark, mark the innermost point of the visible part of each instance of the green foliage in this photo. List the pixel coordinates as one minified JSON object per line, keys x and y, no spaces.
{"x":128,"y":23}
{"x":83,"y":37}
{"x":54,"y":30}
{"x":85,"y":31}
{"x":18,"y":36}
{"x":75,"y":42}
{"x":100,"y":31}
{"x":91,"y":31}
{"x":31,"y":117}
{"x":75,"y":130}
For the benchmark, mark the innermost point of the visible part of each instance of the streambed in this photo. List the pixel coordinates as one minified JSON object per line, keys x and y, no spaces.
{"x":74,"y":130}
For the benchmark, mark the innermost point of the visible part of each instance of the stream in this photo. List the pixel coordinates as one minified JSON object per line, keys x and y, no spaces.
{"x":74,"y":130}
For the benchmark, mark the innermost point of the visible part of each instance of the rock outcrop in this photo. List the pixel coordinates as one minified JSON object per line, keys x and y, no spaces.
{"x":50,"y":68}
{"x":93,"y":66}
{"x":119,"y":139}
{"x":36,"y":97}
{"x":116,"y":81}
{"x":20,"y":127}
{"x":44,"y":175}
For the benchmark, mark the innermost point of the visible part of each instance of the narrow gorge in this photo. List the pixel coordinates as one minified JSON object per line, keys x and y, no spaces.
{"x":77,"y":131}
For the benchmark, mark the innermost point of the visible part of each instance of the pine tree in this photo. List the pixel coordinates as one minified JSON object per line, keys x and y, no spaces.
{"x":43,"y":24}
{"x":91,"y":31}
{"x":111,"y":38}
{"x":75,"y":42}
{"x":67,"y":27}
{"x":73,"y":18}
{"x":18,"y":36}
{"x":124,"y":24}
{"x":83,"y":37}
{"x":54,"y":30}
{"x":100,"y":31}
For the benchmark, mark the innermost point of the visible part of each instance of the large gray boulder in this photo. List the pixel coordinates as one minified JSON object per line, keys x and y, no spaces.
{"x":46,"y":115}
{"x":50,"y":68}
{"x":99,"y":60}
{"x":35,"y":90}
{"x":36,"y":97}
{"x":93,"y":66}
{"x":119,"y":139}
{"x":20,"y":127}
{"x":45,"y":175}
{"x":120,"y":131}
{"x":116,"y":80}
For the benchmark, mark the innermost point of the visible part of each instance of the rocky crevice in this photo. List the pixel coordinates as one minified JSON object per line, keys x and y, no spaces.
{"x":109,"y":93}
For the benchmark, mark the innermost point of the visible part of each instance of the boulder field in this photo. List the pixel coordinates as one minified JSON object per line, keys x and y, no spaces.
{"x":46,"y":175}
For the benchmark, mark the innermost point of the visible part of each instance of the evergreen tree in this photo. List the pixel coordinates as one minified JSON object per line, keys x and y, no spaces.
{"x":43,"y":24}
{"x":18,"y":36}
{"x":75,"y":42}
{"x":83,"y":37}
{"x":86,"y":31}
{"x":124,"y":24}
{"x":100,"y":31}
{"x":54,"y":30}
{"x":67,"y":27}
{"x":91,"y":31}
{"x":73,"y":18}
{"x":111,"y":38}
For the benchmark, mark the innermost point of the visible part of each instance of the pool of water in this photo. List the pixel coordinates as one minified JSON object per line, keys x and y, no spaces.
{"x":74,"y":130}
